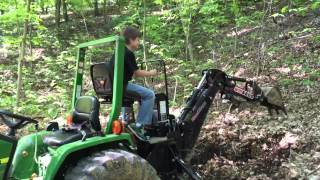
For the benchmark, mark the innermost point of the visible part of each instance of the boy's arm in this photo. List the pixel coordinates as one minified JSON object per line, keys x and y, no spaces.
{"x":143,"y":73}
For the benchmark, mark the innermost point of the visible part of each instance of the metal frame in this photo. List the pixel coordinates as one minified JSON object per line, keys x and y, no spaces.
{"x":163,"y":65}
{"x":117,"y":79}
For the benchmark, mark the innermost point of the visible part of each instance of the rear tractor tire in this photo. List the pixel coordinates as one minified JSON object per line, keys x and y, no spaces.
{"x":112,"y":164}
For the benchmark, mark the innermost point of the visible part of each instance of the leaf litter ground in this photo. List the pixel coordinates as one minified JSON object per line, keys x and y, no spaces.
{"x":248,"y":143}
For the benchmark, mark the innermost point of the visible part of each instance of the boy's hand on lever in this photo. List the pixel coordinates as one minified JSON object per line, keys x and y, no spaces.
{"x":153,"y":72}
{"x":143,"y":73}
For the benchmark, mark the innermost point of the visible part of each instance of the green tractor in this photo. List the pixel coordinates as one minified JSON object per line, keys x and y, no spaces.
{"x":85,"y":150}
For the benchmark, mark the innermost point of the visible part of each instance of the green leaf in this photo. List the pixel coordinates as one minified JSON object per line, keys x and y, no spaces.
{"x":52,"y":112}
{"x":315,"y":5}
{"x":284,"y":10}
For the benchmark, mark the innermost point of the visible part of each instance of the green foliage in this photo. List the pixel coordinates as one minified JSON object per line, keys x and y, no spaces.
{"x":307,"y":82}
{"x":315,"y":5}
{"x":244,"y":21}
{"x":315,"y":75}
{"x":12,"y":20}
{"x":284,"y":10}
{"x":80,"y":5}
{"x":48,"y":72}
{"x":235,"y":9}
{"x":287,"y":51}
{"x":44,"y":3}
{"x":300,"y":7}
{"x":214,"y":11}
{"x":287,"y":82}
{"x":316,"y":39}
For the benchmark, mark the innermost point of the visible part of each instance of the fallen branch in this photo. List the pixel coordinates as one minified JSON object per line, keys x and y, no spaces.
{"x":242,"y":32}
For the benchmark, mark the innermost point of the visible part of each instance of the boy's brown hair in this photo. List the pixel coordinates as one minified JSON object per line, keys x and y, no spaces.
{"x":130,"y":33}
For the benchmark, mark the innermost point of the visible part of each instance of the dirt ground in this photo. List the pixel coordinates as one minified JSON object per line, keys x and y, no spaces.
{"x":248,"y":143}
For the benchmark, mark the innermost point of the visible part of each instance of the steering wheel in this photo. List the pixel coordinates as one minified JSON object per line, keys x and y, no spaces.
{"x":15,"y":121}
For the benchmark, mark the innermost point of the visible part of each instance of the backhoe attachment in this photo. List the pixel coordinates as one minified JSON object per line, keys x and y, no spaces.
{"x":267,"y":96}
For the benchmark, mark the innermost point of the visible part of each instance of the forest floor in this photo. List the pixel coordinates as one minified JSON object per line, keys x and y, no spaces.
{"x":248,"y":143}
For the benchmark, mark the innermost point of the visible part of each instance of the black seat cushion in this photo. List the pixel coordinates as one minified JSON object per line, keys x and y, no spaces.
{"x":85,"y":117}
{"x":61,"y":137}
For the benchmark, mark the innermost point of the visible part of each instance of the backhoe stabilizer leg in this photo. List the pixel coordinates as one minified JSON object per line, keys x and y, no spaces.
{"x":181,"y":165}
{"x":187,"y":169}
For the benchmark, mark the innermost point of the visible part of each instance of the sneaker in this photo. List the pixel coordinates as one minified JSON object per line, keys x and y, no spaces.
{"x":138,"y":131}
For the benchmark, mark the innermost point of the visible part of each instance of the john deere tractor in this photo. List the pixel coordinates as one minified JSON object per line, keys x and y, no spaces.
{"x":82,"y":149}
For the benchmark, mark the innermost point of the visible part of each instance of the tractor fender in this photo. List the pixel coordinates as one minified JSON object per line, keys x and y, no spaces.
{"x":23,"y":163}
{"x":60,"y":155}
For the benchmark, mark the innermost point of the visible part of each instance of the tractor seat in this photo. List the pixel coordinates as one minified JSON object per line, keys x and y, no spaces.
{"x":85,"y":123}
{"x":102,"y":77}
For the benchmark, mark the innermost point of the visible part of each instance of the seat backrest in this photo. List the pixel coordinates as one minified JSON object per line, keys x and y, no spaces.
{"x":87,"y":109}
{"x":102,"y":76}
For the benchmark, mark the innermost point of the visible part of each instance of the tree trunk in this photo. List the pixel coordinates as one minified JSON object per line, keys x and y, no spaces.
{"x":42,"y":6}
{"x":186,"y":26}
{"x":189,"y":48}
{"x":96,"y":8}
{"x":58,"y":6}
{"x":22,"y":53}
{"x":118,"y":3}
{"x":104,"y":11}
{"x":42,"y":10}
{"x":144,"y":31}
{"x":65,"y":11}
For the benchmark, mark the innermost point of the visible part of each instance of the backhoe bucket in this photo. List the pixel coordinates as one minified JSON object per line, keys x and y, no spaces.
{"x":273,"y":98}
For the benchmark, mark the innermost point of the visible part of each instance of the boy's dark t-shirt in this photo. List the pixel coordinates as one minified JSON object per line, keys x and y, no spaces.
{"x":130,"y":65}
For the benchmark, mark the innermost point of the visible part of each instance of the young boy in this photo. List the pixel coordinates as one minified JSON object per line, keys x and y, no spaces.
{"x":132,"y":42}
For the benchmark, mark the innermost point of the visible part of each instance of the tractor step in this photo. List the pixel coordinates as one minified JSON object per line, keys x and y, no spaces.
{"x":150,"y":140}
{"x":157,"y":140}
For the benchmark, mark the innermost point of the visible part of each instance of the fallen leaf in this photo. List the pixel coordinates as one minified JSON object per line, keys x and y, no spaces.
{"x":288,"y":140}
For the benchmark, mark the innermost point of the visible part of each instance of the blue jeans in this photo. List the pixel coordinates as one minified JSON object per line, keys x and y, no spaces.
{"x":147,"y":102}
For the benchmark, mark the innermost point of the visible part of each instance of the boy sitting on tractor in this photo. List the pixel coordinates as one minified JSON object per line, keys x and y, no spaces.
{"x":144,"y":118}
